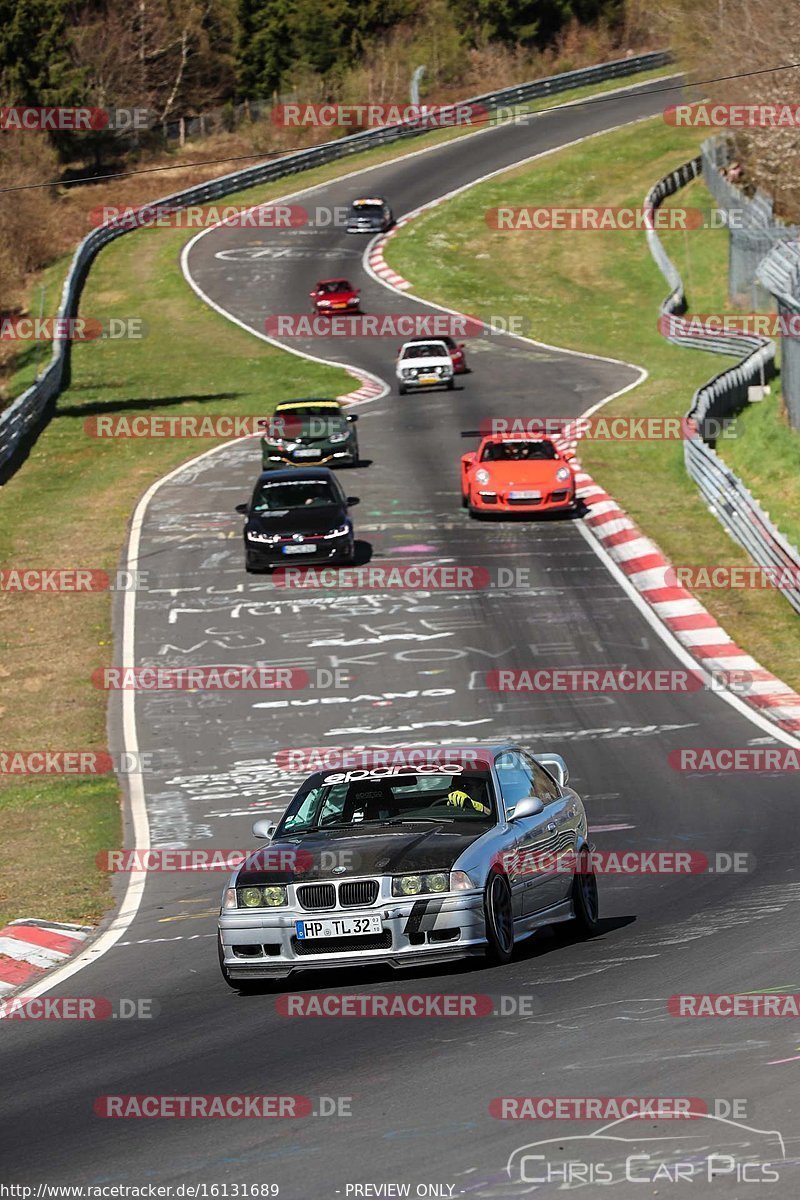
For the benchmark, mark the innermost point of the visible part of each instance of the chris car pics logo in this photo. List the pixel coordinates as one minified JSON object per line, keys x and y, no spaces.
{"x":713,"y":1150}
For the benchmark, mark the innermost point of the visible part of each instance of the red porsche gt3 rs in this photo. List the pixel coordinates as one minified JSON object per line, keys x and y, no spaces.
{"x":513,"y":474}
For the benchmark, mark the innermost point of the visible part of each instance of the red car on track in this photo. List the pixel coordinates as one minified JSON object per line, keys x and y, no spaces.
{"x":335,"y":295}
{"x":509,"y":473}
{"x":456,"y":350}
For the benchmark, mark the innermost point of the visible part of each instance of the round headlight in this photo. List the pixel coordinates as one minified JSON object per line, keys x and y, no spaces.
{"x":437,"y":883}
{"x":482,"y":476}
{"x":251,"y":897}
{"x":562,"y":474}
{"x":274,"y":896}
{"x":410,"y":885}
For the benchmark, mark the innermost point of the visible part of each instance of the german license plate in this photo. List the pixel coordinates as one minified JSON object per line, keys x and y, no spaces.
{"x":337,"y":304}
{"x":307,"y":453}
{"x":338,"y":927}
{"x":299,"y":549}
{"x":429,"y":379}
{"x":524,"y":495}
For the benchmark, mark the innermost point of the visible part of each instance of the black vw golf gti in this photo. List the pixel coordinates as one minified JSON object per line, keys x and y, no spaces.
{"x":297,"y":515}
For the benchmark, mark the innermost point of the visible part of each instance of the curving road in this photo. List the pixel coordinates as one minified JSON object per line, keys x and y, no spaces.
{"x":594,"y":1021}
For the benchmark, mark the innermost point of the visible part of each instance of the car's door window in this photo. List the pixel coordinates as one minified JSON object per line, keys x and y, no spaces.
{"x":516,"y":777}
{"x":543,"y":786}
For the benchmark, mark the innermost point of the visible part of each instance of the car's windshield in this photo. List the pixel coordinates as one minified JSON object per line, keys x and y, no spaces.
{"x":426,"y":350}
{"x":334,"y":285}
{"x":511,"y":451}
{"x":311,"y":410}
{"x":367,"y":206}
{"x":300,"y":493}
{"x":369,"y":799}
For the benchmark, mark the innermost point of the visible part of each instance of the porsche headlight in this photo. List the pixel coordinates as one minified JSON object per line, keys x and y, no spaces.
{"x":563,"y":474}
{"x":417,"y":885}
{"x":482,"y":476}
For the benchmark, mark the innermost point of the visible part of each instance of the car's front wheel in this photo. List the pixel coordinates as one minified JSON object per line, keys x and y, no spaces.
{"x":499,"y":918}
{"x":451,"y":383}
{"x":401,"y":389}
{"x":585,"y":900}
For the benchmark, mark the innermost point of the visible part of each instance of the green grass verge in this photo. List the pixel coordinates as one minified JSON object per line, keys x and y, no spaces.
{"x":766,"y":455}
{"x":600,"y":292}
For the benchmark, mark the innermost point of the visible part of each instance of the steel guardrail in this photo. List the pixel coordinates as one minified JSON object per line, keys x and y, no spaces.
{"x":29,"y":409}
{"x":721,"y":398}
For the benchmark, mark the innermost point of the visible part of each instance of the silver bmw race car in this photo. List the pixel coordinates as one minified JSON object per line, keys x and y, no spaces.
{"x":416,"y":856}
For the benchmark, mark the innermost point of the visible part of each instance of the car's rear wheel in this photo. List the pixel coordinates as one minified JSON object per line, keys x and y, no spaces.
{"x":499,"y":918}
{"x":585,"y":900}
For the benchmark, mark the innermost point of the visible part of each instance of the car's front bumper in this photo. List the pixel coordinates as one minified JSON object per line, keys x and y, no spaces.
{"x":258,"y":554}
{"x":262,"y":944}
{"x":342,"y":456}
{"x":560,"y":501}
{"x":441,"y":381}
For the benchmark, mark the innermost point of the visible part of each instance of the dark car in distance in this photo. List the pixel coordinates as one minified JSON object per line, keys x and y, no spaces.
{"x":310,"y":432}
{"x":297,"y":515}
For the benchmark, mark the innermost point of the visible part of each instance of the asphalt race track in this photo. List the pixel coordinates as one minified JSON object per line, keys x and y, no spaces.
{"x":595,"y":1021}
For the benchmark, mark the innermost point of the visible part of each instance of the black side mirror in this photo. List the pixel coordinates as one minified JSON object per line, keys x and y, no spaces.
{"x":242,"y":508}
{"x":351,"y":500}
{"x":352,"y":417}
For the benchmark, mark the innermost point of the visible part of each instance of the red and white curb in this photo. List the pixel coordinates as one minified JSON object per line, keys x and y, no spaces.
{"x":378,"y":263}
{"x":650,"y":572}
{"x":370,"y":388}
{"x":29,"y":947}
